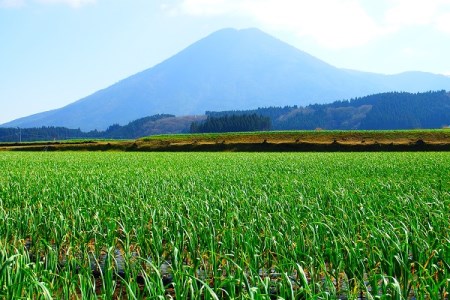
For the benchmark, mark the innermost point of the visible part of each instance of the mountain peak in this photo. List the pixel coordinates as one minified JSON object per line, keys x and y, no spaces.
{"x":231,"y":30}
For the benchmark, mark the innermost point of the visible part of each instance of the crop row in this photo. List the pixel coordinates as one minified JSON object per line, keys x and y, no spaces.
{"x":224,"y":225}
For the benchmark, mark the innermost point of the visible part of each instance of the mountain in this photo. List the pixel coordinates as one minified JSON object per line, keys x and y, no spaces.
{"x":228,"y":70}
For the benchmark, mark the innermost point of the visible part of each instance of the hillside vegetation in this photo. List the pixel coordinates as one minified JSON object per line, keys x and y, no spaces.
{"x":381,"y":111}
{"x":392,"y":111}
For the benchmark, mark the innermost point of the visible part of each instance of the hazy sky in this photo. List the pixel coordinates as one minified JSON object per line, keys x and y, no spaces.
{"x":54,"y":52}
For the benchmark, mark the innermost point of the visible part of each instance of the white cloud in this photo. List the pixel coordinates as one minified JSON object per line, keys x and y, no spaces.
{"x":407,"y":13}
{"x":72,"y":3}
{"x":409,"y":52}
{"x":333,"y":23}
{"x":410,"y":12}
{"x":20,"y":3}
{"x":11,"y":3}
{"x":442,"y":22}
{"x":208,"y":7}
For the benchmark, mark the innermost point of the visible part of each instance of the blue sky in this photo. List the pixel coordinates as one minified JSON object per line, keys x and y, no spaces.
{"x":54,"y":52}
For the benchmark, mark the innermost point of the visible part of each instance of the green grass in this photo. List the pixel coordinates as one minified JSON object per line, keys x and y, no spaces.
{"x":307,"y":133}
{"x":224,"y":225}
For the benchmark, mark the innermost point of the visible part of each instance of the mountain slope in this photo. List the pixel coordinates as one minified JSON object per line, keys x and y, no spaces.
{"x":230,"y":69}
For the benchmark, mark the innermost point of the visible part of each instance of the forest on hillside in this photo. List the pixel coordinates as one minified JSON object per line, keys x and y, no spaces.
{"x":395,"y":110}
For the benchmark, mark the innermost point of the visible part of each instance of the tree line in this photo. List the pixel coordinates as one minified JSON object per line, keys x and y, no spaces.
{"x":132,"y":130}
{"x":232,"y":123}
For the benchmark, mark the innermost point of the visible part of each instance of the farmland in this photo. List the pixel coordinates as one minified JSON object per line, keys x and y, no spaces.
{"x":92,"y":225}
{"x":261,"y":141}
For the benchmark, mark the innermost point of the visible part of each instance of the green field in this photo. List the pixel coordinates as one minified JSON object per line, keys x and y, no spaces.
{"x":308,"y":134}
{"x":92,"y":225}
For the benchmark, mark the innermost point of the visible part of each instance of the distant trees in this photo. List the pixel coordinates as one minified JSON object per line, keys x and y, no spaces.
{"x":43,"y":134}
{"x":273,"y":112}
{"x":132,"y":130}
{"x":232,"y":123}
{"x":408,"y":111}
{"x":392,"y":110}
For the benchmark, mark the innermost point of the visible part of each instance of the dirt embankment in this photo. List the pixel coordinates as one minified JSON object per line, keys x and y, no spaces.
{"x":428,"y":140}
